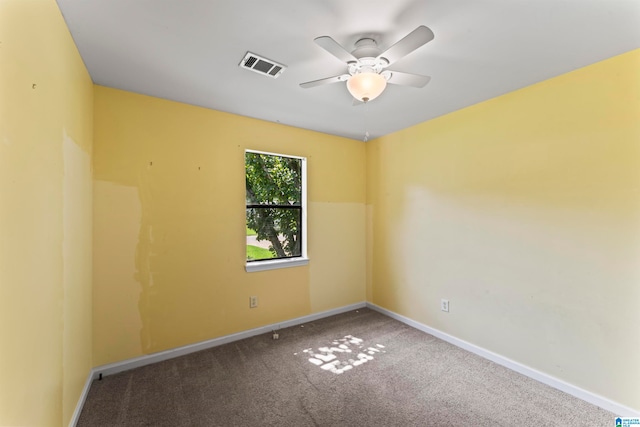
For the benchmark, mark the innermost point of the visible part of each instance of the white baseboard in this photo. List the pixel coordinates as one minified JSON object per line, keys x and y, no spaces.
{"x":148,"y":359}
{"x":125,"y":365}
{"x":587,"y":396}
{"x":83,"y":397}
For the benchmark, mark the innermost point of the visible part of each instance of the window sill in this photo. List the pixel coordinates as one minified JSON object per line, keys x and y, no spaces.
{"x":251,"y":267}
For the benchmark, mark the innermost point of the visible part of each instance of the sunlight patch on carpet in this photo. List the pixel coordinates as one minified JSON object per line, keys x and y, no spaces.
{"x":342,"y":354}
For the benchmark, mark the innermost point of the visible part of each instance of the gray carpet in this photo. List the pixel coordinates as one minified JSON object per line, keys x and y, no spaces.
{"x":355,"y":369}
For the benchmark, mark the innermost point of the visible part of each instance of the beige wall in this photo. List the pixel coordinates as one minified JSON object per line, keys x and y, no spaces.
{"x":524,"y":212}
{"x":169,"y":225}
{"x":45,"y":216}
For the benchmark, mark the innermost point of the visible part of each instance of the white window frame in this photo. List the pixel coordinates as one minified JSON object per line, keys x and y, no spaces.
{"x":303,"y":259}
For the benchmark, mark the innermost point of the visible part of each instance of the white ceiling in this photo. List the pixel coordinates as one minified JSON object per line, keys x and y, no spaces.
{"x":189,"y":51}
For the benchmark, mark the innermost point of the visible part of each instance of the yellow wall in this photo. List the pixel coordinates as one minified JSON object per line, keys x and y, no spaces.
{"x":169,"y":225}
{"x":45,"y":216}
{"x":523,"y":211}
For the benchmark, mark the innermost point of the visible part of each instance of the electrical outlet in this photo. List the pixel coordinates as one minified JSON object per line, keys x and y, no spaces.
{"x":253,"y":302}
{"x":444,"y":305}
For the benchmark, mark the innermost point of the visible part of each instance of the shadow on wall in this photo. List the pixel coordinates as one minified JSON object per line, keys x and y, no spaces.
{"x":523,"y":211}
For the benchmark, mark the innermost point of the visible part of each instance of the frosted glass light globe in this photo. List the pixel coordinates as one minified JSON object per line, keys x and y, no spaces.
{"x":366,"y":86}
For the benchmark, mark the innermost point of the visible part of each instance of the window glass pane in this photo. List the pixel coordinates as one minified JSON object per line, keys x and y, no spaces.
{"x":273,"y":233}
{"x":273,"y":179}
{"x":274,"y":206}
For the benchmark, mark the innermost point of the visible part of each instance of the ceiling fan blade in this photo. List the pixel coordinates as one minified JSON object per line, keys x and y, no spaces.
{"x":408,"y":79}
{"x":408,"y":44}
{"x":332,"y":46}
{"x":334,"y":79}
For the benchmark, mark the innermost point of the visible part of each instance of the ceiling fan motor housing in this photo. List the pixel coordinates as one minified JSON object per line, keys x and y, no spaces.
{"x":367,"y":65}
{"x":366,"y":47}
{"x":366,"y":51}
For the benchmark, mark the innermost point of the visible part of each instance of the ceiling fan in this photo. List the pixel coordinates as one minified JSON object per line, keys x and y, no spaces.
{"x":367,"y":76}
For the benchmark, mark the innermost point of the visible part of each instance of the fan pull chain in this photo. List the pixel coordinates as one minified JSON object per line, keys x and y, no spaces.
{"x":366,"y":126}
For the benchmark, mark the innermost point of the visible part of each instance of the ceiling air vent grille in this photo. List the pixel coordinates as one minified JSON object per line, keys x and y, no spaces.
{"x":262,"y":65}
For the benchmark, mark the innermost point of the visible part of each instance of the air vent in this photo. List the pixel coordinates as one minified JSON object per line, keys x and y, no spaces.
{"x":261,"y":65}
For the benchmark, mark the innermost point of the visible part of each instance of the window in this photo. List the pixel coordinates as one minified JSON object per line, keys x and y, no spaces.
{"x":275,"y":210}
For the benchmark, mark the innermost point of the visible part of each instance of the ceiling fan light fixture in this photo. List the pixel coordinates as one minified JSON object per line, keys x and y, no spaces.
{"x":366,"y":86}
